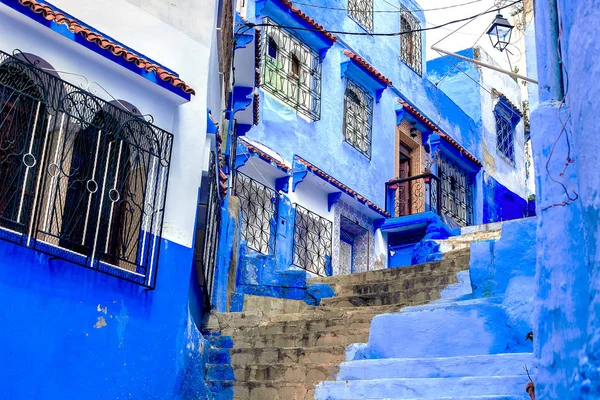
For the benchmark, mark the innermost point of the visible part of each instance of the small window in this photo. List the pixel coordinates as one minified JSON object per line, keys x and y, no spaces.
{"x":362,"y":12}
{"x":291,"y":71}
{"x":358,"y":117}
{"x":295,"y":66}
{"x":271,"y":48}
{"x":505,"y":133}
{"x":410,"y":41}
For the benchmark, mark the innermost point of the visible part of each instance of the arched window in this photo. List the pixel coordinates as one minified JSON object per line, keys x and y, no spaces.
{"x":23,"y":123}
{"x":410,"y":41}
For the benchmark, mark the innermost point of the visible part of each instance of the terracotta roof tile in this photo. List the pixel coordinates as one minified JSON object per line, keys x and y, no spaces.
{"x":309,"y":20}
{"x":435,"y":129}
{"x":266,"y":157}
{"x":51,"y":15}
{"x":510,"y":103}
{"x":368,"y":67}
{"x":341,"y":186}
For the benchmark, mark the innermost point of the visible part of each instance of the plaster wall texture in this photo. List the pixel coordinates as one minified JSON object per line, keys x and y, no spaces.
{"x":566,"y":318}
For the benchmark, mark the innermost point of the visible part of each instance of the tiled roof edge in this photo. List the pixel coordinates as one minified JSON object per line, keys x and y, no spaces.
{"x":363,"y":63}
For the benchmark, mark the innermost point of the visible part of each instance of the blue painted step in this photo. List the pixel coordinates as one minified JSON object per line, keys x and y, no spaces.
{"x":220,"y":390}
{"x":219,"y":356}
{"x":447,"y":367}
{"x":460,"y":328}
{"x":425,"y":388}
{"x":219,"y":372}
{"x":516,"y":397}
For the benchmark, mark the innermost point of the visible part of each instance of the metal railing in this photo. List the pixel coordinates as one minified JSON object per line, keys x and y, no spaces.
{"x":259,"y":209}
{"x":80,"y":179}
{"x":413,"y":195}
{"x":312,"y":241}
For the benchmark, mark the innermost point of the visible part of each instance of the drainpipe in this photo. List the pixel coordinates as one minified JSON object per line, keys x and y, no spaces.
{"x":550,"y":79}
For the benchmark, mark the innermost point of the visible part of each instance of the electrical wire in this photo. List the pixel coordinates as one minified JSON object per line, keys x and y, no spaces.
{"x":252,"y":25}
{"x":385,"y":11}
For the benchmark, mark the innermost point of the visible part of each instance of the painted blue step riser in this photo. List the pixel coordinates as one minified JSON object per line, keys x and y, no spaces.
{"x":219,"y":372}
{"x":220,"y":390}
{"x":219,"y":356}
{"x":484,"y":365}
{"x":421,"y":388}
{"x":517,"y":397}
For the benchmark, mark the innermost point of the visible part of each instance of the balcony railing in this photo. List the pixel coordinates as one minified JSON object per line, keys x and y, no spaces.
{"x":413,"y":195}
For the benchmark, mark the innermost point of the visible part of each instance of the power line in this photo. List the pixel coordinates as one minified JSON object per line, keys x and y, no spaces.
{"x":385,"y":11}
{"x":252,"y":25}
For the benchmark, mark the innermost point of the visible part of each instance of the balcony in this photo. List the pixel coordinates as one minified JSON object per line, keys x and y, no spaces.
{"x":413,"y":195}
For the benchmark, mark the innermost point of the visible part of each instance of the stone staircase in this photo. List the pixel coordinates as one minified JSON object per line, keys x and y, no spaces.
{"x":287,"y":350}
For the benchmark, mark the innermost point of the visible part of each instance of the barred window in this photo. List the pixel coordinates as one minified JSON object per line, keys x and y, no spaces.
{"x":358,"y":117}
{"x":259,"y":208}
{"x":410,"y":42}
{"x":505,"y":133}
{"x":362,"y":12}
{"x":312,"y":241}
{"x":457,"y":192}
{"x":291,"y":71}
{"x":80,"y":179}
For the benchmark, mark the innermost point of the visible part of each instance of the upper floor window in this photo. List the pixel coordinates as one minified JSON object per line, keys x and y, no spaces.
{"x":291,"y":71}
{"x":505,"y":133}
{"x":410,"y":42}
{"x":358,"y":117}
{"x":81,"y":179}
{"x":362,"y":12}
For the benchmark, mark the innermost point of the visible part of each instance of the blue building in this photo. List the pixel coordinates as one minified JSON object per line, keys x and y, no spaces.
{"x":344,"y":156}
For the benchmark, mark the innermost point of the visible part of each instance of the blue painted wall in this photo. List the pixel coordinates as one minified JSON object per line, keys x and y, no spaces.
{"x":74,"y":333}
{"x":501,"y":204}
{"x":567,"y":318}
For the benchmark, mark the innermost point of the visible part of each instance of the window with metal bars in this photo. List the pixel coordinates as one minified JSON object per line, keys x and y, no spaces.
{"x":80,"y":179}
{"x":312,"y":241}
{"x":505,"y":133}
{"x":457,"y":192}
{"x":291,"y":71}
{"x":259,"y":210}
{"x":358,"y":117}
{"x":410,"y":42}
{"x":362,"y":12}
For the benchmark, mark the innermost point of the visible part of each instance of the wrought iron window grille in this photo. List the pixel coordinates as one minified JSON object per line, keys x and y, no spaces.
{"x":291,"y":71}
{"x":358,"y":117}
{"x":80,"y":179}
{"x":312,"y":241}
{"x":208,"y":228}
{"x":362,"y":12}
{"x":457,"y":192}
{"x":410,"y":43}
{"x":505,"y":134}
{"x":259,"y":213}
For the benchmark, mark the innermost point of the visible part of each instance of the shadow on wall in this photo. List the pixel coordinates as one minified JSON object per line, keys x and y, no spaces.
{"x":501,"y":204}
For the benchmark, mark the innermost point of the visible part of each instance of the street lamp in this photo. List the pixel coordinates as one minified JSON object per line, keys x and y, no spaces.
{"x":500,"y":32}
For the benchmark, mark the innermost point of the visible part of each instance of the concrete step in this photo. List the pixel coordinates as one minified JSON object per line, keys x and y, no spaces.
{"x":288,"y":355}
{"x":273,"y":306}
{"x":455,"y":264}
{"x":302,"y":327}
{"x":426,"y":388}
{"x":406,"y":298}
{"x":307,"y":373}
{"x":446,"y":367}
{"x":423,"y":281}
{"x":310,"y":339}
{"x":273,"y":390}
{"x":445,"y":329}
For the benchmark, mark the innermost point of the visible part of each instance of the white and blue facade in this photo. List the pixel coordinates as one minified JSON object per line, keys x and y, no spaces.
{"x":419,"y":163}
{"x":104,"y":93}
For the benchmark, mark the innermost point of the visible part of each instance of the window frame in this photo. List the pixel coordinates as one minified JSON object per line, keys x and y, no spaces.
{"x":301,"y":91}
{"x":363,"y":17}
{"x":506,"y":131}
{"x":411,"y":51}
{"x":367,"y":108}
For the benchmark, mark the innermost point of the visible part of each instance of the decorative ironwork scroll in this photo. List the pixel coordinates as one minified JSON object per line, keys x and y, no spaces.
{"x":312,"y":241}
{"x":291,"y":71}
{"x":259,"y":208}
{"x":358,"y":117}
{"x":457,"y":192}
{"x":410,"y":42}
{"x":362,"y":12}
{"x":80,"y":179}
